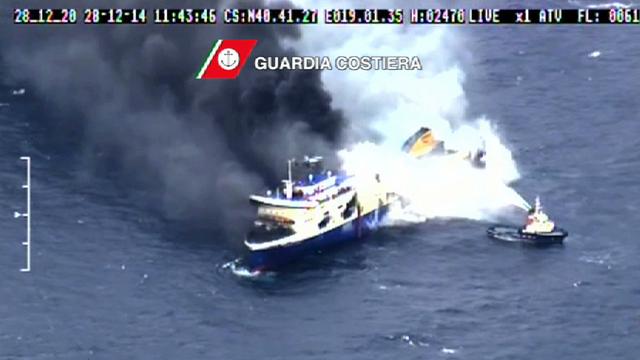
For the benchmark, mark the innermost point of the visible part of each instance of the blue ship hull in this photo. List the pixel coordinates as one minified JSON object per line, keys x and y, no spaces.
{"x":349,"y":232}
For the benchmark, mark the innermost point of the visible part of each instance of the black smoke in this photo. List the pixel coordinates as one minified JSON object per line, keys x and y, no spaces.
{"x":125,"y":96}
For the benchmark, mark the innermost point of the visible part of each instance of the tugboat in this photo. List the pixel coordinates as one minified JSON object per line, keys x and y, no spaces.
{"x":313,"y":210}
{"x":538,"y":230}
{"x":423,"y":143}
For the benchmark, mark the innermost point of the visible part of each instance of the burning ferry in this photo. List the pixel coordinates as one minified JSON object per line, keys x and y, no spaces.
{"x":313,"y":209}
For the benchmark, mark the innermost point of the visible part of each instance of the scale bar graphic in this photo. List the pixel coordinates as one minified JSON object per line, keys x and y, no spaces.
{"x":27,"y":214}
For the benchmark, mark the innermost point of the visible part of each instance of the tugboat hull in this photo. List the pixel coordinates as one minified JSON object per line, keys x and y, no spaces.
{"x":352,"y":231}
{"x":514,"y":234}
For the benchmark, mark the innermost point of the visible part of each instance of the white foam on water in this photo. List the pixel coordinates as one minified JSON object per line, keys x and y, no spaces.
{"x":598,"y":258}
{"x":448,"y":351}
{"x":594,"y":54}
{"x":240,"y":271}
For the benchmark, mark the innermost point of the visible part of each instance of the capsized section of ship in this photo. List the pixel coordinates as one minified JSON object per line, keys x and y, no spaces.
{"x":538,"y":230}
{"x":423,"y":143}
{"x":314,"y":209}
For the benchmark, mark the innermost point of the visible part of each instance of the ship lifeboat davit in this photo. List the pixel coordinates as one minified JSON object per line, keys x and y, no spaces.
{"x":538,"y":230}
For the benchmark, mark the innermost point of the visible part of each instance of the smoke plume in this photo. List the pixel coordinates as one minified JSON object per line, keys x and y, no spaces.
{"x":392,"y":105}
{"x":126,"y":95}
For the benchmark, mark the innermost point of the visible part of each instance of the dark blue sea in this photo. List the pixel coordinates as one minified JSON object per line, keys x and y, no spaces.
{"x":112,"y":279}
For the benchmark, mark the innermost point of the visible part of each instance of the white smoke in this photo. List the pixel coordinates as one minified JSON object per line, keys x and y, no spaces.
{"x":395,"y":104}
{"x":436,"y":186}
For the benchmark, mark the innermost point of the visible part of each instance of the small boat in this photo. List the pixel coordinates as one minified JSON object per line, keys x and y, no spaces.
{"x":423,"y":143}
{"x":538,"y":230}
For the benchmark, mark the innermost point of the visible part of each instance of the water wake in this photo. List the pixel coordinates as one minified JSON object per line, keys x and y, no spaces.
{"x":237,"y":269}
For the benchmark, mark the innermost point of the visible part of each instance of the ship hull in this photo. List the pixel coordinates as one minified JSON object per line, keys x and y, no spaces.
{"x":260,"y":260}
{"x":509,"y":233}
